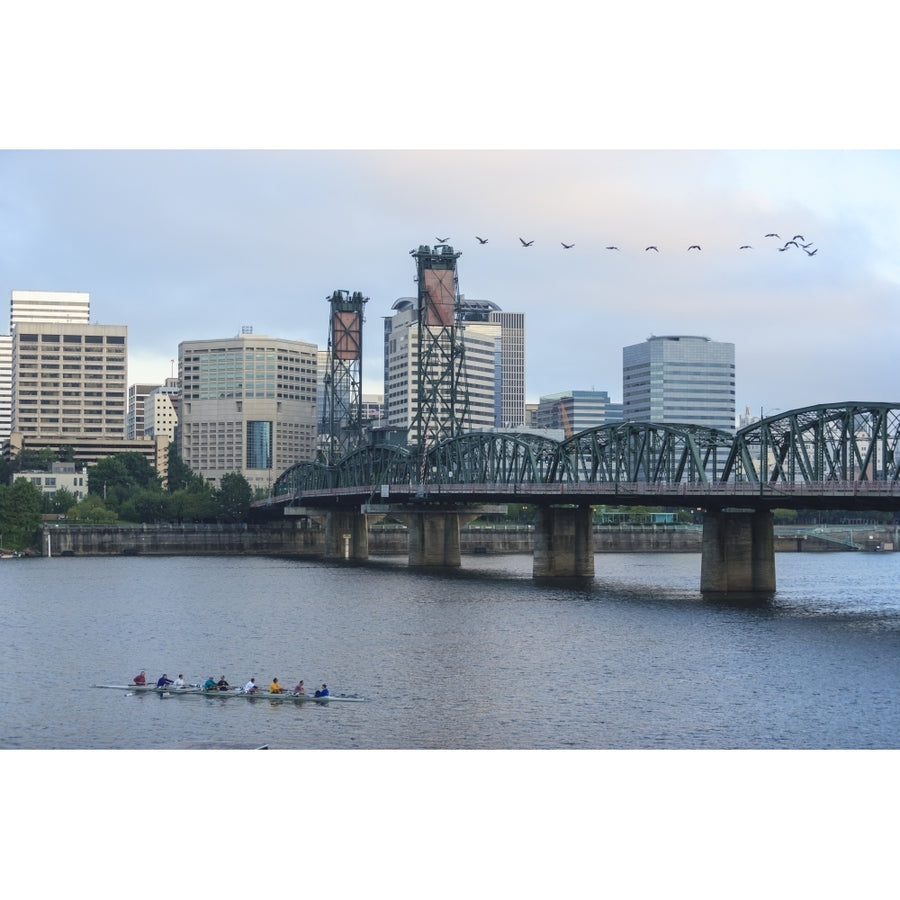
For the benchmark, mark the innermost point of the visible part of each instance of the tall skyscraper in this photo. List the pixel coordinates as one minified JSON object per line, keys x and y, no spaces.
{"x":5,"y":387}
{"x":248,"y":404}
{"x":679,"y":379}
{"x":34,"y":306}
{"x":68,"y":380}
{"x":511,"y":410}
{"x":479,"y":380}
{"x":492,"y":374}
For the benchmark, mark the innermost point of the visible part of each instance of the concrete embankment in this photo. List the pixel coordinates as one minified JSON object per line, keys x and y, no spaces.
{"x":288,"y":539}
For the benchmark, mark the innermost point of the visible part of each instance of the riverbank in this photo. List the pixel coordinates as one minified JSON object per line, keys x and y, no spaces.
{"x":289,"y":539}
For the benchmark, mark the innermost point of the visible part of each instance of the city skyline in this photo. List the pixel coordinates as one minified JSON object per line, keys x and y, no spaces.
{"x":206,"y":243}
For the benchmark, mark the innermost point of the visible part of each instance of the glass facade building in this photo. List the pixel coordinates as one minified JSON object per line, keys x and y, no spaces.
{"x":679,"y":379}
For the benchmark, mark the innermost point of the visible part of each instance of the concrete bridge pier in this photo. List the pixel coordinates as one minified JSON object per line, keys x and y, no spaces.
{"x":434,"y":537}
{"x":346,"y":535}
{"x":738,"y":553}
{"x":563,"y":542}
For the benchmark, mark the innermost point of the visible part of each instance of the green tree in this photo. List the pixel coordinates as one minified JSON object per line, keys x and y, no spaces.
{"x":181,"y":476}
{"x":233,"y":497}
{"x":62,"y":500}
{"x":20,"y":514}
{"x":93,"y":511}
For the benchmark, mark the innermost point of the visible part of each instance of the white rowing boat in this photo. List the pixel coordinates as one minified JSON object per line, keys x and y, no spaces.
{"x":286,"y":695}
{"x":240,"y":692}
{"x":151,"y":688}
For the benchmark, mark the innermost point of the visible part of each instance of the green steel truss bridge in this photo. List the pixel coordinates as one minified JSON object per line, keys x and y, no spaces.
{"x":832,"y":456}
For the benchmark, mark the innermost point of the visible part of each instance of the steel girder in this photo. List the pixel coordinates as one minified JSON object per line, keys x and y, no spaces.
{"x":639,"y":451}
{"x":830,"y":442}
{"x":304,"y":476}
{"x":494,"y":458}
{"x":387,"y":464}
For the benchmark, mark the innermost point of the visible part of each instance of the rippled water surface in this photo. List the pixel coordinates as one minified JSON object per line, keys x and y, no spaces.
{"x":478,"y":658}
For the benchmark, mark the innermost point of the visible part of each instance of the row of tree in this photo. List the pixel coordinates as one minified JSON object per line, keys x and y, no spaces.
{"x":121,"y":488}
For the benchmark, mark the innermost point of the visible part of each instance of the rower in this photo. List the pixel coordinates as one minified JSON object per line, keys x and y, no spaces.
{"x":164,"y":682}
{"x":209,"y":684}
{"x":141,"y":679}
{"x":322,"y":692}
{"x":222,"y":684}
{"x":251,"y":687}
{"x":275,"y":687}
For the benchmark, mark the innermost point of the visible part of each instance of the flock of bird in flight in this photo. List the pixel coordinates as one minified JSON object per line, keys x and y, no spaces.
{"x":796,"y":241}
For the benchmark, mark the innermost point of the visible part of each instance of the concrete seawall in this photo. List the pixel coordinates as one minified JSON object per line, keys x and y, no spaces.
{"x":289,"y":539}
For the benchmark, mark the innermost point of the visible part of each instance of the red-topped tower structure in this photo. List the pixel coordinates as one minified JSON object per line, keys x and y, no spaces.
{"x":341,"y":428}
{"x":441,"y":402}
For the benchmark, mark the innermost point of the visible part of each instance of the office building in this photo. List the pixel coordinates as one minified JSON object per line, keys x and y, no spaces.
{"x":161,"y":410}
{"x":248,"y":405}
{"x":511,"y":410}
{"x":68,"y":380}
{"x":68,"y":307}
{"x":575,"y":411}
{"x":493,"y":371}
{"x":5,"y":387}
{"x":34,"y":306}
{"x":679,"y":379}
{"x":134,"y":419}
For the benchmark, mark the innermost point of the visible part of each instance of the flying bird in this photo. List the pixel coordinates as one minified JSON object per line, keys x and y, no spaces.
{"x":612,"y":248}
{"x":804,"y":246}
{"x":782,"y":249}
{"x":526,"y":243}
{"x":481,"y":240}
{"x":694,"y":247}
{"x":745,"y":247}
{"x":567,"y":246}
{"x":651,"y":247}
{"x":788,"y":244}
{"x":442,"y":240}
{"x":798,"y":237}
{"x":772,"y":234}
{"x":812,"y":252}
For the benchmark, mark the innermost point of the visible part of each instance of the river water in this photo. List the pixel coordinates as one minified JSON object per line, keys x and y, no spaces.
{"x":479,"y":658}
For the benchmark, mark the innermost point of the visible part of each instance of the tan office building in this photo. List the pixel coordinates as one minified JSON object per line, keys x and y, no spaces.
{"x":248,"y":405}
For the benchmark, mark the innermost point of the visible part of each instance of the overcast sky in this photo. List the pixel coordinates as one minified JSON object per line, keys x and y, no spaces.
{"x":183,"y":244}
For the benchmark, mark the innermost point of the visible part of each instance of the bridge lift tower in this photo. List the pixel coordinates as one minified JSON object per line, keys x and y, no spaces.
{"x":341,"y":428}
{"x":441,"y":405}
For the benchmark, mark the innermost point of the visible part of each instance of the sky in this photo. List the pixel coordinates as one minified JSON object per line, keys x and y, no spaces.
{"x":196,"y":244}
{"x":192,"y":200}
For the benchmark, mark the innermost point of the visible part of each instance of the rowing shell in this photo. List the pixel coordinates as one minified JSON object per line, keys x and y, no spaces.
{"x":297,"y":698}
{"x":150,"y":689}
{"x":194,"y":691}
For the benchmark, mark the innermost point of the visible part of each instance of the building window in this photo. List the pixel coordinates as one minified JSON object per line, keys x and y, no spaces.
{"x":259,"y":445}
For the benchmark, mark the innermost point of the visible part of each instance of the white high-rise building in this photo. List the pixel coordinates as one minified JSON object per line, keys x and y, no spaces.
{"x":511,"y":412}
{"x":70,"y":307}
{"x":482,"y":347}
{"x":248,"y":405}
{"x":5,"y":387}
{"x":493,"y":371}
{"x":161,"y":410}
{"x":679,"y":379}
{"x":135,"y":417}
{"x":34,"y":306}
